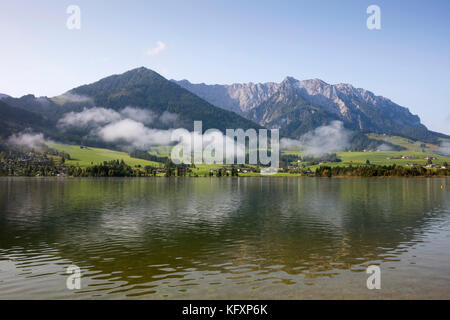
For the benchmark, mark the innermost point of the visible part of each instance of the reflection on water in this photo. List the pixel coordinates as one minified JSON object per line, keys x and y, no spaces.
{"x":213,"y":238}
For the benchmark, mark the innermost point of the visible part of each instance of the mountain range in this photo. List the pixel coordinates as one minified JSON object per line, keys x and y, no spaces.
{"x":295,"y":107}
{"x":141,"y":89}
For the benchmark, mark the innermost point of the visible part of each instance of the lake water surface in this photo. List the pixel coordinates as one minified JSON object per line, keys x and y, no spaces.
{"x":222,"y":238}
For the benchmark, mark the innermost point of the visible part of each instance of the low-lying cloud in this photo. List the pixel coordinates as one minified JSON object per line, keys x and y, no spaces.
{"x":287,"y":143}
{"x":140,"y":115}
{"x":445,"y":148}
{"x":88,"y":118}
{"x":132,"y":133}
{"x":97,"y":117}
{"x":30,"y":140}
{"x":384,"y":147}
{"x":168,"y":118}
{"x":127,"y":127}
{"x":72,"y":97}
{"x":322,"y":140}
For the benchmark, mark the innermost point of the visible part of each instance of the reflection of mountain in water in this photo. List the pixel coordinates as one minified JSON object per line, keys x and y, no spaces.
{"x":142,"y":231}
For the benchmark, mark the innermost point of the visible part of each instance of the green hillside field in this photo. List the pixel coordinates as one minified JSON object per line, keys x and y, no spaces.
{"x":91,"y":156}
{"x":409,"y":144}
{"x":381,"y":158}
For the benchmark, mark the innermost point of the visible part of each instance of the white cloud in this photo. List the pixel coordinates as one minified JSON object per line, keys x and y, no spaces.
{"x":325,"y":139}
{"x":29,"y":140}
{"x":160,"y":47}
{"x":287,"y":143}
{"x":140,"y":115}
{"x":134,"y":133}
{"x":445,"y":148}
{"x":322,"y":140}
{"x":126,"y":127}
{"x":72,"y":97}
{"x":384,"y":147}
{"x":97,"y":117}
{"x":88,"y":118}
{"x":168,"y":118}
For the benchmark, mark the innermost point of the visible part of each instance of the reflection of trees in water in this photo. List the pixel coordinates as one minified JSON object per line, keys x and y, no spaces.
{"x":158,"y":228}
{"x":343,"y":223}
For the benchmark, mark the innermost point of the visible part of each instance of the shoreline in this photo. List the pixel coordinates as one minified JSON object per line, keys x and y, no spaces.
{"x":214,"y":177}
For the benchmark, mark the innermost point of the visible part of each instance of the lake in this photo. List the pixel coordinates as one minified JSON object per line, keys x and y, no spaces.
{"x":225,"y":238}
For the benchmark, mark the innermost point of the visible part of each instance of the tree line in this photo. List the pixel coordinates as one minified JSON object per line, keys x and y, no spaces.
{"x":379,"y":171}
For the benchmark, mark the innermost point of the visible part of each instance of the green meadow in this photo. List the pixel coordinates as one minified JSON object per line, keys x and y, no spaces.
{"x":409,"y":144}
{"x":87,"y":156}
{"x":384,"y":158}
{"x":91,"y":156}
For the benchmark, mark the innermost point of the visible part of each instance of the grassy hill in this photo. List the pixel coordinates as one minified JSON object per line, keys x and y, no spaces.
{"x":409,"y":144}
{"x":381,"y":158}
{"x":91,"y":156}
{"x":386,"y":158}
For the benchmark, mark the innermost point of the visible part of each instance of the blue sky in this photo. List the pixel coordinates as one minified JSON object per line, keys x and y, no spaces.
{"x":218,"y":41}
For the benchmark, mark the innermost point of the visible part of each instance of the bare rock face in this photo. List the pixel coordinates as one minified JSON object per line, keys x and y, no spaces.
{"x":357,"y":106}
{"x":302,"y":105}
{"x":251,"y":95}
{"x":239,"y":98}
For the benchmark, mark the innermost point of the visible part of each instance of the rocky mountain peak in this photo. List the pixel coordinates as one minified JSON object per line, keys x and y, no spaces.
{"x":289,"y":80}
{"x":358,"y":108}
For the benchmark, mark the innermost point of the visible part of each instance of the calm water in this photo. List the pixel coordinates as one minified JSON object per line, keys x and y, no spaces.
{"x":251,"y":238}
